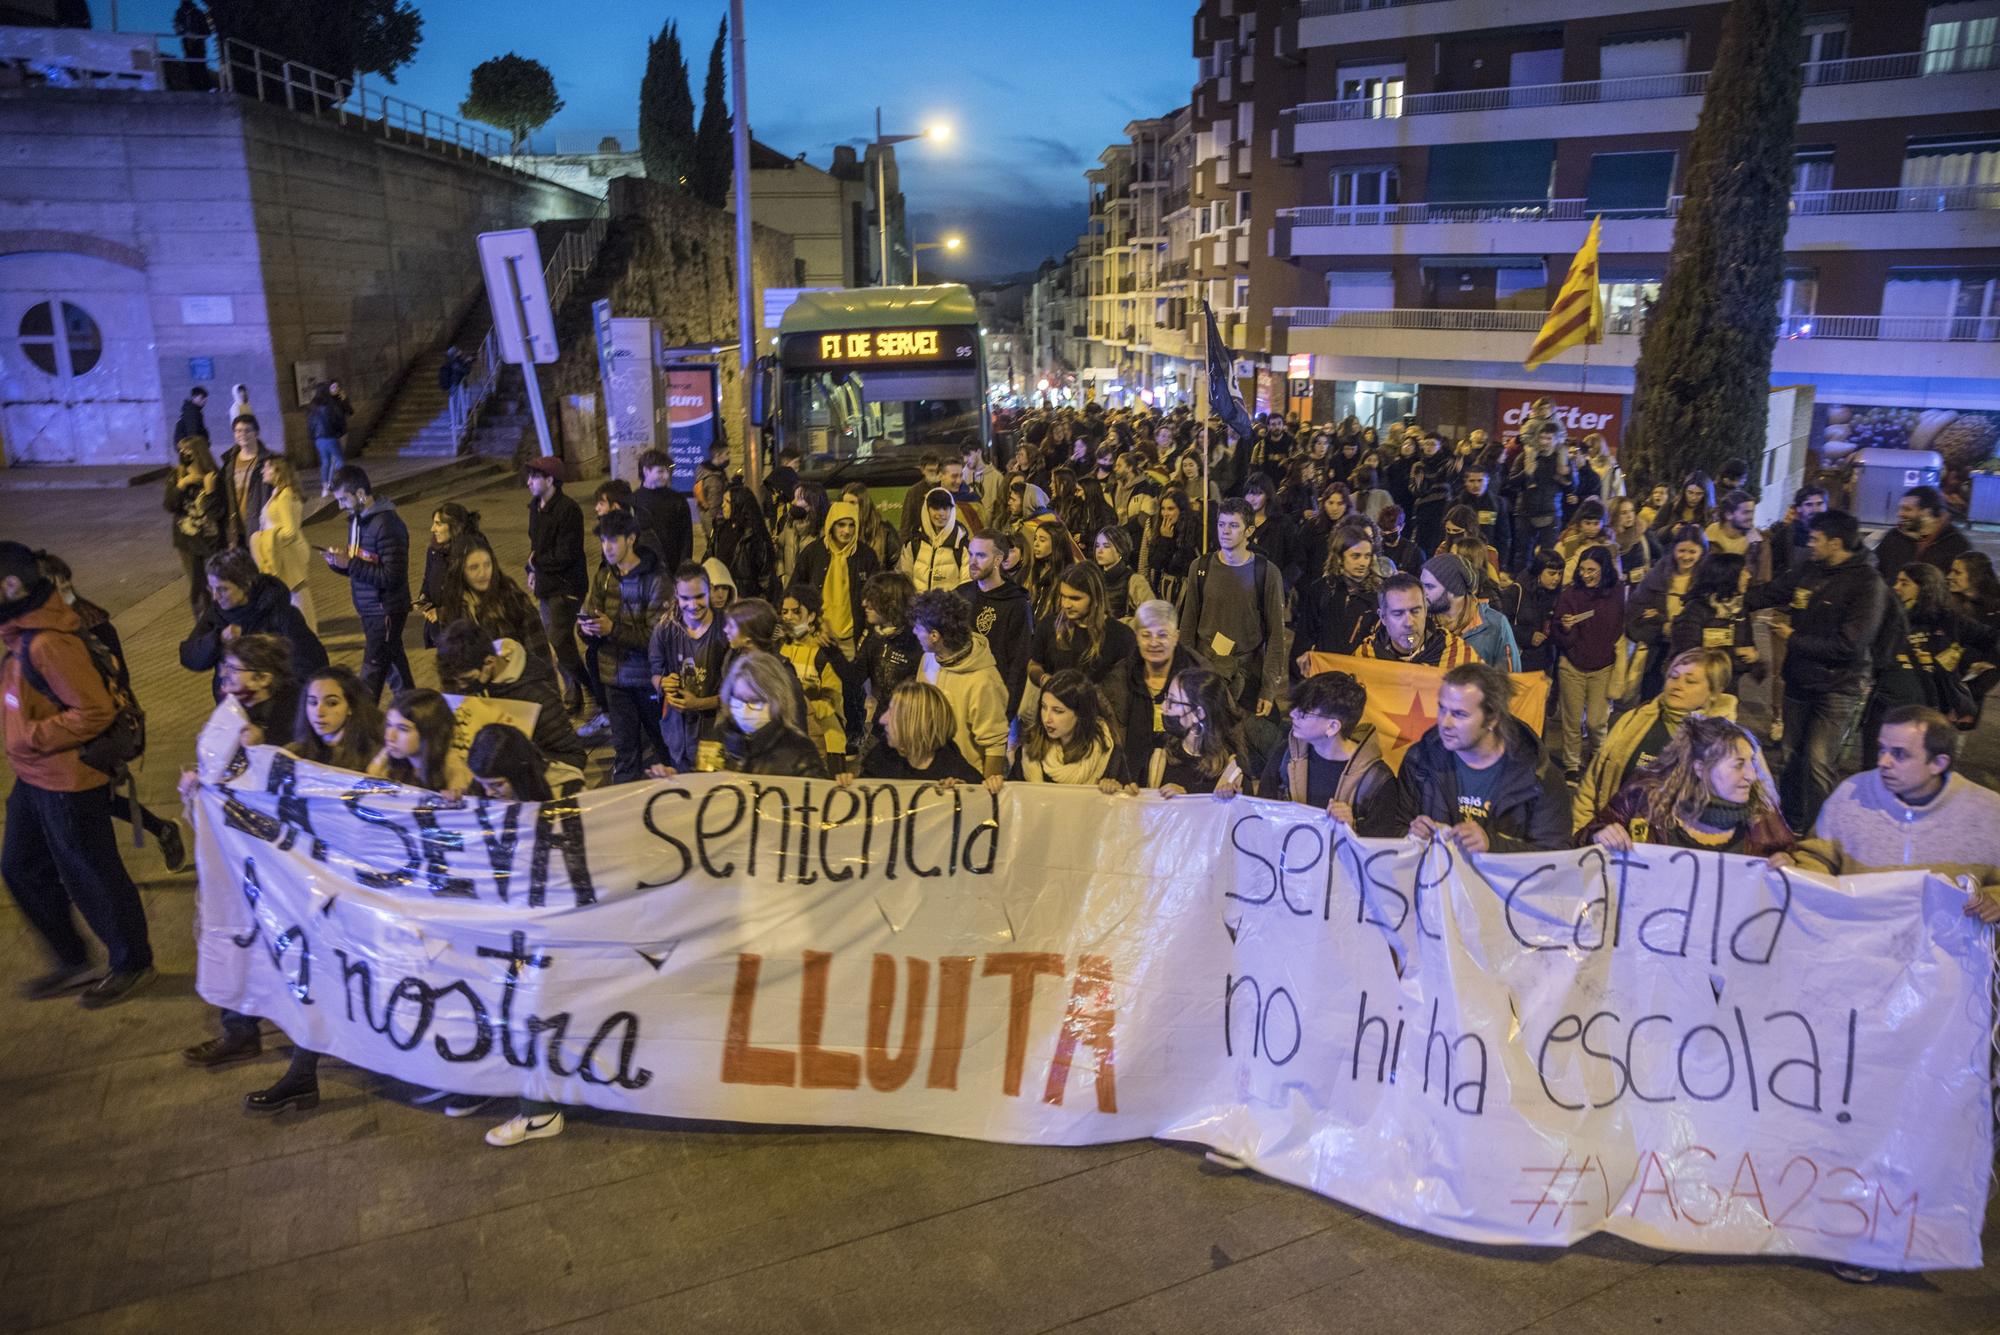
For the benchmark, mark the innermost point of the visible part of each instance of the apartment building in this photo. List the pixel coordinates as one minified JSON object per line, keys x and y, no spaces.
{"x":1421,"y":189}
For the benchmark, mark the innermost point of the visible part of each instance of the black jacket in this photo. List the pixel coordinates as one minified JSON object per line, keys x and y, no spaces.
{"x":267,"y":611}
{"x":1835,"y":612}
{"x":190,"y":422}
{"x":239,"y":521}
{"x":555,"y":737}
{"x":1332,"y":616}
{"x":1007,"y":619}
{"x":772,"y":749}
{"x":885,"y":762}
{"x":555,"y":547}
{"x":381,"y":576}
{"x":1381,"y":806}
{"x":1140,"y":724}
{"x":663,"y":512}
{"x":1496,"y":520}
{"x":1898,"y":549}
{"x":878,"y":667}
{"x":1531,"y":804}
{"x":1535,"y":484}
{"x":635,"y":602}
{"x":1279,"y":541}
{"x":815,"y":560}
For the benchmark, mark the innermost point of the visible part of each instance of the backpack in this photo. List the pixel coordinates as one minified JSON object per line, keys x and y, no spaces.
{"x":124,"y":738}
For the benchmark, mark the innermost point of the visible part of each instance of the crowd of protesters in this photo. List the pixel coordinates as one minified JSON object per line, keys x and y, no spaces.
{"x":1131,"y":602}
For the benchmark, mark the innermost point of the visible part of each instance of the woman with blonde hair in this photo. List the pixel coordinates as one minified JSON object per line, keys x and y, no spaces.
{"x":763,"y":731}
{"x":921,"y":725}
{"x":1697,"y":682}
{"x":279,"y":545}
{"x":1710,"y":789}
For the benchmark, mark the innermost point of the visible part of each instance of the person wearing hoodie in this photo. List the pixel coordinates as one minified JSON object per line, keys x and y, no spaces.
{"x":837,"y":564}
{"x":628,"y":595}
{"x":244,"y":602}
{"x":1000,"y":610}
{"x":1589,"y":617}
{"x":936,"y":559}
{"x":470,"y":664}
{"x":1332,"y":761}
{"x":957,"y":662}
{"x":886,"y":656}
{"x":1479,"y":777}
{"x":59,"y":850}
{"x":1450,"y":591}
{"x":376,"y":562}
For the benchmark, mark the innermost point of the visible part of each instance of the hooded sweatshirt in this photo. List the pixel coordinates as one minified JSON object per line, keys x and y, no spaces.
{"x":43,"y":734}
{"x":838,"y":572}
{"x":1005,"y":616}
{"x":978,"y":704}
{"x":936,"y":559}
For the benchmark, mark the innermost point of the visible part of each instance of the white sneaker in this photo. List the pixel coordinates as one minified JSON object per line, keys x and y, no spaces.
{"x":517,"y":1129}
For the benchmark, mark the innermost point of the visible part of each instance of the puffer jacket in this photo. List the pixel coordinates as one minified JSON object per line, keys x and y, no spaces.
{"x":634,"y":601}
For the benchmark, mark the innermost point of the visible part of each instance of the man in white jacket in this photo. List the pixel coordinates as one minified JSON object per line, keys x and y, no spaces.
{"x":936,"y":558}
{"x":957,"y":662}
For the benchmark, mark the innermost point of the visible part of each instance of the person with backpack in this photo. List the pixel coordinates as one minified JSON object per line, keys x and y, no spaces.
{"x":67,"y":728}
{"x":1233,"y":611}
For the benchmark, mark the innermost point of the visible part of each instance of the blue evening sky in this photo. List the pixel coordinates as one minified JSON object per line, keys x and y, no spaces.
{"x":1034,"y":88}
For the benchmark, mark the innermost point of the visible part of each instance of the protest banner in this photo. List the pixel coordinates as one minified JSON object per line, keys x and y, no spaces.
{"x":1403,"y":698}
{"x":1678,"y":1047}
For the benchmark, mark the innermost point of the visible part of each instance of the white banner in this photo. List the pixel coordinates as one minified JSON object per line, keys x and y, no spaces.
{"x":1674,"y":1046}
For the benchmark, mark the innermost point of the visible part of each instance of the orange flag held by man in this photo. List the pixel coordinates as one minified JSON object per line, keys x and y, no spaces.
{"x":1402,"y":698}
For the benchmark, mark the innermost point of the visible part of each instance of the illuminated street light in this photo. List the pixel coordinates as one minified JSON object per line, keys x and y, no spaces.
{"x":937,"y":133}
{"x":949,"y":243}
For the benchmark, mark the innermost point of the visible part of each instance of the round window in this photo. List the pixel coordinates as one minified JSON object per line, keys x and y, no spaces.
{"x":61,"y":338}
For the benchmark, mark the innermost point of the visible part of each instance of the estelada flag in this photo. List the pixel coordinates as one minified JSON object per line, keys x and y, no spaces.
{"x":1402,"y":698}
{"x":1578,"y":313}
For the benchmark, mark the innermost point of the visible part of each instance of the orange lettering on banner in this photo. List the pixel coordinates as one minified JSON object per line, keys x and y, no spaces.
{"x":1021,"y":967}
{"x":743,"y":1064}
{"x":954,"y":987}
{"x":1089,"y":1020}
{"x":821,"y":1068}
{"x":888,"y":1073}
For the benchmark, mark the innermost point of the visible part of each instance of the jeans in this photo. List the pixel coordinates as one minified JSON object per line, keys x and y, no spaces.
{"x":330,"y":461}
{"x":382,"y":651}
{"x":634,"y":712}
{"x":59,"y":852}
{"x":1582,"y":692}
{"x":559,"y":620}
{"x":1816,"y":730}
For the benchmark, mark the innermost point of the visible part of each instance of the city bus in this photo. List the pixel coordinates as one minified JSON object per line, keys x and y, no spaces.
{"x":864,"y":381}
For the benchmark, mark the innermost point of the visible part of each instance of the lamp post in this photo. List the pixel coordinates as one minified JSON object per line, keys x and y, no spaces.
{"x":937,"y":134}
{"x":949,"y":243}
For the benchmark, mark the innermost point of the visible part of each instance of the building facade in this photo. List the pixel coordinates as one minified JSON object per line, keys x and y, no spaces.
{"x":1429,"y":169}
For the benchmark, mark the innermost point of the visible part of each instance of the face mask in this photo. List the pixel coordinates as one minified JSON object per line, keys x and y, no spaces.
{"x":801,"y":512}
{"x":799,"y":629}
{"x":749,"y":717}
{"x":1175,"y":725}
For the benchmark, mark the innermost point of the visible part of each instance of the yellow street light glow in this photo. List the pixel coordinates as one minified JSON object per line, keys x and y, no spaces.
{"x":939,"y":132}
{"x":953,"y":242}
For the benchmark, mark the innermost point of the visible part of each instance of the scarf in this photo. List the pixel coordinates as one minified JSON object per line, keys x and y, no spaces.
{"x":1052,"y":768}
{"x":836,"y":594}
{"x":1719,"y":815}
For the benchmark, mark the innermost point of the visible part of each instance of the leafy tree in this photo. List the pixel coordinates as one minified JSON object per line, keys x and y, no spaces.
{"x":514,"y":93}
{"x":714,"y":160}
{"x":666,"y":112}
{"x":1704,"y":376}
{"x":342,"y":37}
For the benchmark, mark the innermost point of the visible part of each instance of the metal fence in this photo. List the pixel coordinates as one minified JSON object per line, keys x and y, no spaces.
{"x":1911,"y":328}
{"x":1810,"y":203}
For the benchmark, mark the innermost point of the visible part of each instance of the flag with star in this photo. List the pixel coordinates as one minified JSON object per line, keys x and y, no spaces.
{"x":1402,"y":698}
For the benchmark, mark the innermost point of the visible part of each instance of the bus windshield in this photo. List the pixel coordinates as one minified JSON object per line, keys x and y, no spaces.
{"x":836,"y":413}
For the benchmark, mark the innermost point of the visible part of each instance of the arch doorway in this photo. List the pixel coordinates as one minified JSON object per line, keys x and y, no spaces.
{"x":79,"y":381}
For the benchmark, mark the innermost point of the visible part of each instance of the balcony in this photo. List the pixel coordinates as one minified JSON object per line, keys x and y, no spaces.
{"x":1835,"y":90}
{"x":1911,"y":218}
{"x":1337,"y":22}
{"x":1839,"y":352}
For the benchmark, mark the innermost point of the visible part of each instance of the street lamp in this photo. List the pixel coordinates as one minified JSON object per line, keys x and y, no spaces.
{"x":936,"y":134}
{"x":949,"y":243}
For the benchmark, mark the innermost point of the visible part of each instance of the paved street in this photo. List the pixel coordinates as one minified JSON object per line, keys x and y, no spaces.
{"x":140,"y":1198}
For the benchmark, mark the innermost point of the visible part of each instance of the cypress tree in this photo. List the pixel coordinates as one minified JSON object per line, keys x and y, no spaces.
{"x":713,"y":155}
{"x":666,"y":112}
{"x":1704,"y":374}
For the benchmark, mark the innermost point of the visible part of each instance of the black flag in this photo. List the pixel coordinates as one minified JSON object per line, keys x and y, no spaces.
{"x":1222,"y":400}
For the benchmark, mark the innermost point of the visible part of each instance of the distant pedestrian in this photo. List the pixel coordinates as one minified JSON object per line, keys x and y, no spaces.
{"x":191,"y":421}
{"x":197,"y":500}
{"x":557,"y":575}
{"x":326,"y":424}
{"x":244,"y":488}
{"x":279,"y":545}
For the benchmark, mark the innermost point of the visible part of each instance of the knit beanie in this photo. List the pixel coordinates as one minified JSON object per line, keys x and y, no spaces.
{"x":1450,"y":573}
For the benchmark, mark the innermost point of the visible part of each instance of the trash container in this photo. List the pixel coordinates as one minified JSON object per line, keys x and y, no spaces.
{"x":1880,"y":477}
{"x":1984,"y":507}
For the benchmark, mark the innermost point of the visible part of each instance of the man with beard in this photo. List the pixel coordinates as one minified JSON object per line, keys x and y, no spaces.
{"x":1407,"y":633}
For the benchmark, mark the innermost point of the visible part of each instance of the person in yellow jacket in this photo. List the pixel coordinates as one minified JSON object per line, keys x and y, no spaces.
{"x":798,"y":644}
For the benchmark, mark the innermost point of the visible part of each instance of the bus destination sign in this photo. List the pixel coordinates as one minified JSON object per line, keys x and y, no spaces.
{"x":878,"y":347}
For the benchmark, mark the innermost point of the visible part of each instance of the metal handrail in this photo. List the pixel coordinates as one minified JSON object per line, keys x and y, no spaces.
{"x":574,"y":255}
{"x":236,"y":66}
{"x":1906,"y":328}
{"x":1643,"y":87}
{"x":1805,"y":203}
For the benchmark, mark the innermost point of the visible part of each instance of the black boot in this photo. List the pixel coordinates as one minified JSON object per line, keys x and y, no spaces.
{"x":235,"y":1045}
{"x":298,"y":1088}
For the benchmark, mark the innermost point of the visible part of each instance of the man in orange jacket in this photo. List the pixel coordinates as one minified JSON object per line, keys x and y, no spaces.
{"x":59,"y":849}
